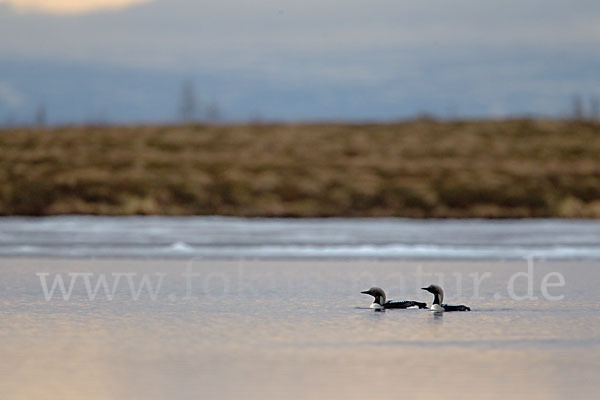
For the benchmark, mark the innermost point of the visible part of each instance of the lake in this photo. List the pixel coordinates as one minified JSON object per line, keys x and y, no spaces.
{"x":182,"y":308}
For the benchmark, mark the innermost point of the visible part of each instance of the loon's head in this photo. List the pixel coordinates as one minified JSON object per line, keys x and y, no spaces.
{"x":437,"y":292}
{"x":379,"y":296}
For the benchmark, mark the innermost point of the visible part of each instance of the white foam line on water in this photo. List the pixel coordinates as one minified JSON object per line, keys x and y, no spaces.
{"x":180,"y":249}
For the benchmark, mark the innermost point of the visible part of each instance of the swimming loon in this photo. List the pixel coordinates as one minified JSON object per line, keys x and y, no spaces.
{"x":438,"y":297}
{"x":379,"y":302}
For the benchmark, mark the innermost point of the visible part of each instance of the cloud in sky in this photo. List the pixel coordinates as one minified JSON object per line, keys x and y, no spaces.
{"x":264,"y":34}
{"x":70,"y":6}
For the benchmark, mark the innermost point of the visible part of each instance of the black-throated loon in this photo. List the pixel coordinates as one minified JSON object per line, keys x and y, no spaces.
{"x":379,"y":302}
{"x":438,"y":297}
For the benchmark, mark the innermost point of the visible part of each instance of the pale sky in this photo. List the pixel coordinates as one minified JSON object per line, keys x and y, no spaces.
{"x":538,"y":51}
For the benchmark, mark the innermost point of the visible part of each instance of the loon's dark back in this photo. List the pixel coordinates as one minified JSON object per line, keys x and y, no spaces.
{"x":449,"y":307}
{"x":404,"y":304}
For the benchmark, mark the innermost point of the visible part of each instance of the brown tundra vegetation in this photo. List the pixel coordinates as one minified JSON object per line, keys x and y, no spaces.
{"x":418,"y":169}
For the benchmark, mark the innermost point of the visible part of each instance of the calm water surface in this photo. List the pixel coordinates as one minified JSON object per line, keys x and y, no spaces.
{"x":297,"y":329}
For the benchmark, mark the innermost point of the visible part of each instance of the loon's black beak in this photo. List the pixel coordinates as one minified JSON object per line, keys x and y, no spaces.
{"x":424,"y":288}
{"x":366,"y":292}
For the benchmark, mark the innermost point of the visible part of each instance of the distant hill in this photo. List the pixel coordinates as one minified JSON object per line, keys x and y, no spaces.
{"x":84,"y":93}
{"x":421,"y":168}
